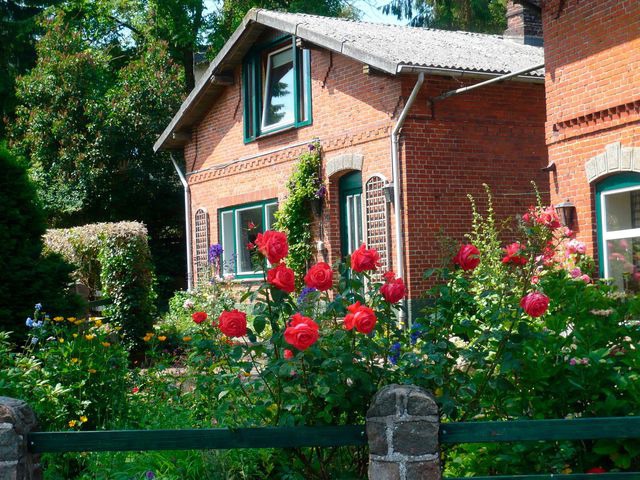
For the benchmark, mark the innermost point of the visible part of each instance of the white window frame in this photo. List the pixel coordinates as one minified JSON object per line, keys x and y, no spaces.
{"x":617,"y":234}
{"x":268,"y":128}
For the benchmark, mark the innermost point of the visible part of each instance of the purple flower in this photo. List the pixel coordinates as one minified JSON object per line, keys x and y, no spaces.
{"x":302,"y":298}
{"x":38,"y":306}
{"x":322,"y":191}
{"x":394,"y":353}
{"x":149,"y":475}
{"x":416,"y":332}
{"x":29,"y":322}
{"x":312,"y":147}
{"x":215,"y":252}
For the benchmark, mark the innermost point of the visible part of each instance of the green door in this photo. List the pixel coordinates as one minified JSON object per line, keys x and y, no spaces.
{"x":351,"y":236}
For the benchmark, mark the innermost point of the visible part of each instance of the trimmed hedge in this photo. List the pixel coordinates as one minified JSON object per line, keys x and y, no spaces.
{"x":115,"y":259}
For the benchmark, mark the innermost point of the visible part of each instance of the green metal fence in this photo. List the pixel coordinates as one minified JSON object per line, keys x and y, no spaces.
{"x":350,"y":435}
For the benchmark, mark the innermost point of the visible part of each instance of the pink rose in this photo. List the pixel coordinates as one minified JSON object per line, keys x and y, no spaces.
{"x":515,"y":253}
{"x":535,"y":304}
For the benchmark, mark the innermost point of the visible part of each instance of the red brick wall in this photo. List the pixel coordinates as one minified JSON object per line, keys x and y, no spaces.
{"x":592,"y":55}
{"x":492,"y":135}
{"x":495,"y":135}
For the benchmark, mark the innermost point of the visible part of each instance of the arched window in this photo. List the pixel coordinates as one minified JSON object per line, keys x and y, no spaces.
{"x":376,"y":219}
{"x":618,"y":217}
{"x":201,"y":246}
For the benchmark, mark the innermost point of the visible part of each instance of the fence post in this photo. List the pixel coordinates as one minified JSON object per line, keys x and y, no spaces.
{"x":16,"y":420}
{"x":402,"y":428}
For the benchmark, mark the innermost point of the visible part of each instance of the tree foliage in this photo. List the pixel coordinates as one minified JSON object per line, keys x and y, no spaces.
{"x":488,"y":16}
{"x":28,"y":276}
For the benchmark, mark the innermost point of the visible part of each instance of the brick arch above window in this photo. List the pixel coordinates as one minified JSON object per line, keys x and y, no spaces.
{"x":614,"y":159}
{"x":344,"y":162}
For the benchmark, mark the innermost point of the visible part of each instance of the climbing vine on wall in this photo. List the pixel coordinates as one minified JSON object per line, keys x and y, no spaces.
{"x":294,"y":216}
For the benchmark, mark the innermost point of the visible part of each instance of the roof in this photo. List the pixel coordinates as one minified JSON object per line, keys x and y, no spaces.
{"x":389,"y":48}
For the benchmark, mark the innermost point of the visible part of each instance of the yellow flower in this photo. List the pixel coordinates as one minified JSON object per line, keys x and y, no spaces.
{"x":246,"y":374}
{"x":83,"y":419}
{"x":75,"y":335}
{"x":162,"y":338}
{"x":71,"y":319}
{"x":58,"y":319}
{"x":150,"y":334}
{"x":61,"y":340}
{"x":72,"y":423}
{"x":566,"y":470}
{"x":186,"y":339}
{"x":438,"y":392}
{"x":106,"y":344}
{"x":90,"y":337}
{"x":98,"y":322}
{"x":78,"y":322}
{"x":92,"y":370}
{"x":74,"y":360}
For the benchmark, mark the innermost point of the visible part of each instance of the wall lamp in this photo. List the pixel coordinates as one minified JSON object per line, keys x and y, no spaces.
{"x":567,"y":213}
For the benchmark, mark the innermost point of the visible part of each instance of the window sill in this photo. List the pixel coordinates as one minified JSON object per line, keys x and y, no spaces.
{"x":277,"y":131}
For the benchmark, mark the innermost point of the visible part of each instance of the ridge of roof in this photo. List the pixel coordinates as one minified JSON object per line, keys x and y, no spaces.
{"x":415,"y":48}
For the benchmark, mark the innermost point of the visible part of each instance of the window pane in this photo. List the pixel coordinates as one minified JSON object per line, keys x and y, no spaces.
{"x":228,"y":244}
{"x":623,"y":259}
{"x":246,"y":218}
{"x":279,"y":95}
{"x":271,"y":212}
{"x":622,"y":210}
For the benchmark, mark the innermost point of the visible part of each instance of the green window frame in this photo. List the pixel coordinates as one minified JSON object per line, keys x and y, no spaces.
{"x":256,"y":78}
{"x":234,"y":234}
{"x":351,"y":212}
{"x":618,"y":227}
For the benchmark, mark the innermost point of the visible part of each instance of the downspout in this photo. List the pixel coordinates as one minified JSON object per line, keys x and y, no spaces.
{"x":397,"y":182}
{"x":187,"y":218}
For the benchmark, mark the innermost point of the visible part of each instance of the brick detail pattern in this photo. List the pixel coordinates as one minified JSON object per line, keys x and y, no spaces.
{"x":615,"y":159}
{"x":592,"y":60}
{"x":16,"y":420}
{"x":402,"y":430}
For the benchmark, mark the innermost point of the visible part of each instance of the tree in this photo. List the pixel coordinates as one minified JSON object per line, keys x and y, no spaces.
{"x":488,"y":16}
{"x":28,"y":277}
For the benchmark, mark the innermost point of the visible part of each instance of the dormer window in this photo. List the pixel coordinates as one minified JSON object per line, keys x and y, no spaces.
{"x":277,"y":87}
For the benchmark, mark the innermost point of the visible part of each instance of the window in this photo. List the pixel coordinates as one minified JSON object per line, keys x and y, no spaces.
{"x":618,"y":212}
{"x":350,"y":187}
{"x":239,"y":226}
{"x":277,"y":86}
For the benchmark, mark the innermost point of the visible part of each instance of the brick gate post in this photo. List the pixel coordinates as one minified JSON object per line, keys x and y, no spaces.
{"x":16,"y":420}
{"x":402,"y":428}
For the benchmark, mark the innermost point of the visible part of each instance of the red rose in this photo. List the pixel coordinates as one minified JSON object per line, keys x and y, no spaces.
{"x":199,"y":317}
{"x":535,"y":304}
{"x":302,"y":332}
{"x":596,"y":470}
{"x":361,"y":317}
{"x":515,"y":253}
{"x":468,"y":257}
{"x":282,"y":278}
{"x":320,"y":277}
{"x":393,"y":290}
{"x":273,"y":245}
{"x":363,"y":259}
{"x":233,"y":323}
{"x":288,"y":354}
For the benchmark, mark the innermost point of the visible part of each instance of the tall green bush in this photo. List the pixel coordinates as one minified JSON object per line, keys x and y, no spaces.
{"x":115,"y":259}
{"x":28,"y":276}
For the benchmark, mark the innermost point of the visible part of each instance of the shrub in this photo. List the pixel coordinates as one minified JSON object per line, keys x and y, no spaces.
{"x":28,"y":276}
{"x":113,"y":258}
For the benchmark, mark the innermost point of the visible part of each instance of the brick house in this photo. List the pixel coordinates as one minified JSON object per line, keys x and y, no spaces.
{"x":592,"y":57}
{"x":400,"y":154}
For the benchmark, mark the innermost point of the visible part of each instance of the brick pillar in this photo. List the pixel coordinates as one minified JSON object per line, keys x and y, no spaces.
{"x":402,"y":428}
{"x":16,"y":420}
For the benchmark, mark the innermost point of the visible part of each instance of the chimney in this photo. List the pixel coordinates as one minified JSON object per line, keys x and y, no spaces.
{"x":524,"y":22}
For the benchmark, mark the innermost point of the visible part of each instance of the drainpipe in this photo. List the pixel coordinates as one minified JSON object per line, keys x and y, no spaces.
{"x":397,"y":182}
{"x":187,"y":217}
